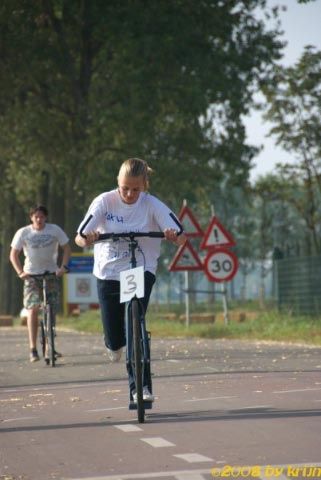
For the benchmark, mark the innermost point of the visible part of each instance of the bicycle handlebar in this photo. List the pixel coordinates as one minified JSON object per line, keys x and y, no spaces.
{"x":115,"y":236}
{"x":132,"y":235}
{"x":42,"y":275}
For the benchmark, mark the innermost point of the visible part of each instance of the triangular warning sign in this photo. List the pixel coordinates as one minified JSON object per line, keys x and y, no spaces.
{"x":190,"y":224}
{"x":186,"y":258}
{"x":216,"y":235}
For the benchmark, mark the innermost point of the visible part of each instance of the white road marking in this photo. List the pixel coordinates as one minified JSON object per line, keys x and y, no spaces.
{"x":158,"y":442}
{"x":193,"y":457}
{"x":209,"y":398}
{"x":298,"y":391}
{"x":52,"y":387}
{"x":255,"y":406}
{"x":18,"y":419}
{"x":128,"y":428}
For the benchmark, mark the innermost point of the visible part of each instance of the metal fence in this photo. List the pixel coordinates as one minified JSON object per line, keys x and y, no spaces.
{"x":298,"y":285}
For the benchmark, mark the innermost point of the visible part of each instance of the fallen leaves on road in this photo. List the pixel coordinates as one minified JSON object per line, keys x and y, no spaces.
{"x":75,"y":399}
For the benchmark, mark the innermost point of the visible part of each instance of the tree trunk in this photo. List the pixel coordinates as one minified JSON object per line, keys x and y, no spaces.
{"x":10,"y":285}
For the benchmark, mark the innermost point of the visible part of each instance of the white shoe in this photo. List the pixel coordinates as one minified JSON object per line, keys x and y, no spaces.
{"x":147,"y":396}
{"x":114,"y":355}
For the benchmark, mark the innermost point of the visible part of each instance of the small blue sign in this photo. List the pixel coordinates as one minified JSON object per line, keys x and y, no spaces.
{"x":81,"y":263}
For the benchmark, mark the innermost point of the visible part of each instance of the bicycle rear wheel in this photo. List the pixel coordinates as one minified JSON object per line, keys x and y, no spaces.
{"x":138,"y":360}
{"x":51,"y":335}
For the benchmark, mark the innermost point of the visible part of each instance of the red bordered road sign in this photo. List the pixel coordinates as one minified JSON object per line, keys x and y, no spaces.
{"x":186,"y":258}
{"x":190,"y":224}
{"x":220,"y":265}
{"x":216,"y":235}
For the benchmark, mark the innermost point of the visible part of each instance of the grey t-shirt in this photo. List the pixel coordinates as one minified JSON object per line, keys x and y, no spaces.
{"x":40,"y":247}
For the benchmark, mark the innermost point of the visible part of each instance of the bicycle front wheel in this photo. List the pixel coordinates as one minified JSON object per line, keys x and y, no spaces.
{"x":51,"y":335}
{"x":138,"y":360}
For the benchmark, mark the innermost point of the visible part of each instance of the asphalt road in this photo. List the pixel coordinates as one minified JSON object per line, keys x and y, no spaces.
{"x":223,"y":409}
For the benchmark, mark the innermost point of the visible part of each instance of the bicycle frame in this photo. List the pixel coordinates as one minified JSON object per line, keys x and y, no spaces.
{"x":137,"y":345}
{"x":137,"y":356}
{"x":49,"y":326}
{"x":47,"y":323}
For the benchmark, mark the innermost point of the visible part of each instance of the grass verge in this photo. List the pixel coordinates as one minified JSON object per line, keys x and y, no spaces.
{"x":268,"y":325}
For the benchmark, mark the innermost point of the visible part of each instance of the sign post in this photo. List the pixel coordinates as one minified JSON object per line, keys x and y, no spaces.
{"x":186,"y":258}
{"x":187,"y":309}
{"x":220,"y":264}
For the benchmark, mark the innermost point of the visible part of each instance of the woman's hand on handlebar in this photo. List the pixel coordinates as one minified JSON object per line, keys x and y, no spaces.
{"x":171,"y":235}
{"x":87,"y":240}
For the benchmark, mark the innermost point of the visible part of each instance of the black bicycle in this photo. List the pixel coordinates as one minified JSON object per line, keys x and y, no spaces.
{"x":138,"y":359}
{"x":47,"y":323}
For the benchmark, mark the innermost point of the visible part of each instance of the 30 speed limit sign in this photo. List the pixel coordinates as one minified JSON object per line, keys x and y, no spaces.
{"x":220,"y":265}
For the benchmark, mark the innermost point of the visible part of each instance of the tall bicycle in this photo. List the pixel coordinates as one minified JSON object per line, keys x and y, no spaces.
{"x":138,"y":360}
{"x":47,"y":322}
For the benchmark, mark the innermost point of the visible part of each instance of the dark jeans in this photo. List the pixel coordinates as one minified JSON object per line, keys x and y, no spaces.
{"x":113,"y":312}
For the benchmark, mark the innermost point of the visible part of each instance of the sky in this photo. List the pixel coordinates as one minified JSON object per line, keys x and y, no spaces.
{"x":301,"y":26}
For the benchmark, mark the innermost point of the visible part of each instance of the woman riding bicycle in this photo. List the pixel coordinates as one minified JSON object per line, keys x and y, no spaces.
{"x":126,"y":208}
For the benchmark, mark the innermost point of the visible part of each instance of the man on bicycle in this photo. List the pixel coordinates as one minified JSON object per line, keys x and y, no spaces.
{"x":39,"y":242}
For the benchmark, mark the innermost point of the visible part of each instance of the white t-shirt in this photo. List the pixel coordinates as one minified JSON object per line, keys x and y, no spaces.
{"x":40,"y":247}
{"x":109,"y":214}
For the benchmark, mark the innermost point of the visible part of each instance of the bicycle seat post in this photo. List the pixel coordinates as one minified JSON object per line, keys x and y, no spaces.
{"x":44,"y":289}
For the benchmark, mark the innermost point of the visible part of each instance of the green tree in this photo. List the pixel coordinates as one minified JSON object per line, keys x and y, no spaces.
{"x":92,"y":82}
{"x":294,"y":107}
{"x":87,"y":83}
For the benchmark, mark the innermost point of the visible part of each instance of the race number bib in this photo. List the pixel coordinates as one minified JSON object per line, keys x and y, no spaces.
{"x":132,"y":284}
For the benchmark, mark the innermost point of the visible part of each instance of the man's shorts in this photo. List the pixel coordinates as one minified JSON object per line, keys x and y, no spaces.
{"x":32,"y":291}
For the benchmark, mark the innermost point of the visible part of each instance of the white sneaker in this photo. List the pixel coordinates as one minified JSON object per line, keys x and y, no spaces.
{"x":114,"y":355}
{"x":147,"y":396}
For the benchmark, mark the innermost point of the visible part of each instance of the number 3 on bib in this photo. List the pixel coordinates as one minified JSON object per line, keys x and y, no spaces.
{"x":132,"y":284}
